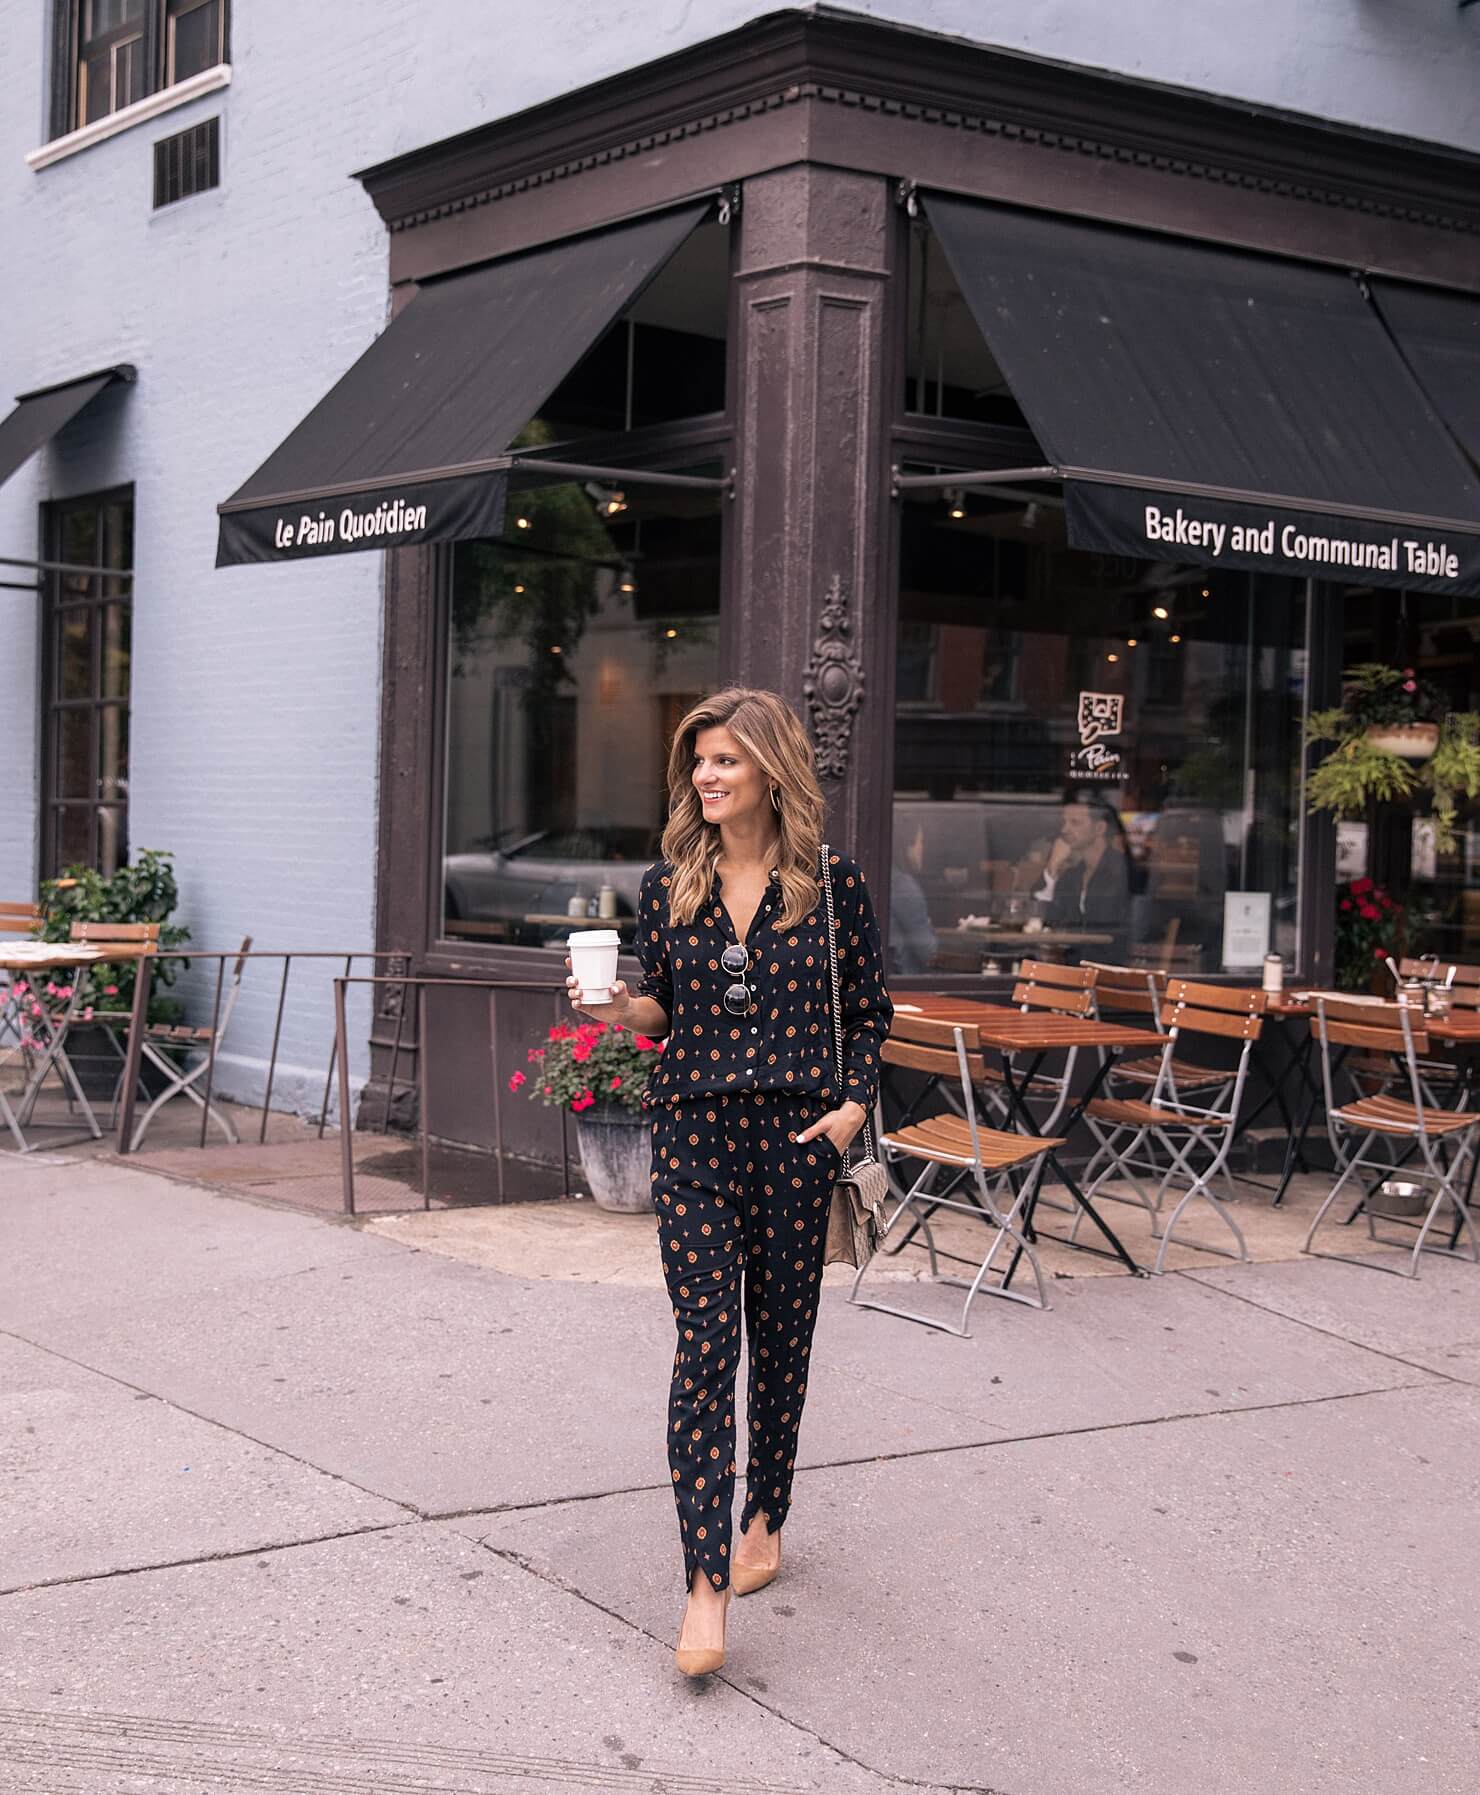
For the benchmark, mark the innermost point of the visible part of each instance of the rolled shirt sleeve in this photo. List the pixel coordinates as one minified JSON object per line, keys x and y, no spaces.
{"x":651,"y":945}
{"x":867,"y":1010}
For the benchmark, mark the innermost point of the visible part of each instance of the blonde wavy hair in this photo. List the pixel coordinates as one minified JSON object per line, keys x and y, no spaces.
{"x":770,"y":732}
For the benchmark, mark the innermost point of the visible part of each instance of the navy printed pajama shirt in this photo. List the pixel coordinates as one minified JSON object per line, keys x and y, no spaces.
{"x":742,"y":1207}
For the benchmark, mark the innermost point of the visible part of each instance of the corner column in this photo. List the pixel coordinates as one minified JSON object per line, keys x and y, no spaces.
{"x":809,"y":607}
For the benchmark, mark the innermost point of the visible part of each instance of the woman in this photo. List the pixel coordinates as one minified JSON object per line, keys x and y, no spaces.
{"x":749,"y":1125}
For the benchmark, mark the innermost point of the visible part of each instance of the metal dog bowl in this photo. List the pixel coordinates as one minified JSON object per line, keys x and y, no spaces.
{"x":1396,"y":1197}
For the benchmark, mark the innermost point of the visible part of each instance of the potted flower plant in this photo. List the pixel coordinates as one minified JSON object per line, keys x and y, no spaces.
{"x":1388,"y":722}
{"x":1369,"y":931}
{"x":598,"y":1070}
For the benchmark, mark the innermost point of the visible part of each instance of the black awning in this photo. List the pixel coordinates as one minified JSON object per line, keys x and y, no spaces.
{"x":38,"y":416}
{"x":1439,"y":336}
{"x":409,"y":446}
{"x":1216,"y":407}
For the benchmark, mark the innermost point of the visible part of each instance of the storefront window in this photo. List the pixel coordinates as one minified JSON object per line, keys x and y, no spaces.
{"x":664,"y":359}
{"x":1095,"y":758}
{"x":1439,"y":637}
{"x":949,"y":370}
{"x":575,"y":643}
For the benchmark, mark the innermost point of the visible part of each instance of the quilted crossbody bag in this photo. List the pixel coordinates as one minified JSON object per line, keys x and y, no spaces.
{"x":856,"y":1218}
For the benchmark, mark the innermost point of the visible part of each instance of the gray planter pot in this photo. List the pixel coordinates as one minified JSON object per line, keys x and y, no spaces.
{"x":617,"y":1153}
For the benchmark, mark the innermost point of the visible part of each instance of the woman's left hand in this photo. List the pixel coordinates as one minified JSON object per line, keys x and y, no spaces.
{"x":839,"y":1125}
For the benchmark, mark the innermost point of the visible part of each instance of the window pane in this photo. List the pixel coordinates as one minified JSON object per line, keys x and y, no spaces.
{"x":563,"y":690}
{"x":112,"y":840}
{"x":74,"y":652}
{"x":194,"y":38}
{"x":664,"y":359}
{"x":74,"y":763}
{"x":117,"y":634}
{"x":949,"y":370}
{"x":112,"y":752}
{"x":112,"y":15}
{"x":1439,"y":637}
{"x":77,"y":542}
{"x":1090,"y":752}
{"x":74,"y":836}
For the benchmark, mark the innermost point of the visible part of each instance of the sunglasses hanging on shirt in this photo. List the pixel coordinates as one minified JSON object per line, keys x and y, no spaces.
{"x":736,"y":961}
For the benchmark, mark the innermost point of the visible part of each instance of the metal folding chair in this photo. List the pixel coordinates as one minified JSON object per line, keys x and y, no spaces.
{"x":162,"y":1040}
{"x":1186,"y":1132}
{"x":959,"y":1153}
{"x":1067,"y":991}
{"x":1361,"y":1125}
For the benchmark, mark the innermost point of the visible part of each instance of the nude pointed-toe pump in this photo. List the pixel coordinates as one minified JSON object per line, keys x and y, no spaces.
{"x":745,"y":1579}
{"x":701,"y":1661}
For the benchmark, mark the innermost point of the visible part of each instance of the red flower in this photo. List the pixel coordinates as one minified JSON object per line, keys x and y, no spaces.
{"x":1346,"y":903}
{"x":643,"y":1044}
{"x":562,"y":1031}
{"x":535,"y":1053}
{"x":515,"y":1080}
{"x":1370,"y":912}
{"x":1361,"y":886}
{"x":1410,"y":685}
{"x":1379,"y":953}
{"x":582,"y":1101}
{"x":615,"y":1085}
{"x":110,"y":990}
{"x":581,"y":1051}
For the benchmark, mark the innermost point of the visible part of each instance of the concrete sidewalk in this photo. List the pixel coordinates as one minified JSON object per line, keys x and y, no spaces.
{"x":299,"y":1506}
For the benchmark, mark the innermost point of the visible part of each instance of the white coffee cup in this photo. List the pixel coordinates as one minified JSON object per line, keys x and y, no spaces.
{"x":593,"y":962}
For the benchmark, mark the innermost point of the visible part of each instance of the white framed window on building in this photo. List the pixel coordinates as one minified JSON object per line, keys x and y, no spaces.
{"x":109,"y":54}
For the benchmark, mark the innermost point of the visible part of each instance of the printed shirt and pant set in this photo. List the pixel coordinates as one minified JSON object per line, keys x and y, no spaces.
{"x":742,"y":1207}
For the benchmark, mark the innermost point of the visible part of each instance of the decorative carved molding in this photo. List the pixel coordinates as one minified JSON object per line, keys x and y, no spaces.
{"x":776,"y":64}
{"x":833,"y":683}
{"x":391,"y":996}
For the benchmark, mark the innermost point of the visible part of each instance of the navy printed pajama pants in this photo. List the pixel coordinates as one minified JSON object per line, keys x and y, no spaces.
{"x":738,"y":1202}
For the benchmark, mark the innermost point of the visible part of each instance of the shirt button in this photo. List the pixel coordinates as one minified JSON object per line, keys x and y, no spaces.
{"x":755,"y":1031}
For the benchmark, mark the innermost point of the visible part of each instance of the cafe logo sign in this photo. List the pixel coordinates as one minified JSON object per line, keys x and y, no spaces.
{"x":1101,"y":715}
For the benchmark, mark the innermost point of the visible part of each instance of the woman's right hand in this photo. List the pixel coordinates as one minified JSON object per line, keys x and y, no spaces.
{"x":616,"y":1009}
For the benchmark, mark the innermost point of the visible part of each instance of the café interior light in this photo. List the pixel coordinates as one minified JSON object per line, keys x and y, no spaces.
{"x":1160,"y":613}
{"x":1112,"y":657}
{"x":670,"y":633}
{"x":955,"y":499}
{"x":1174,"y":638}
{"x":521,"y":523}
{"x":628,"y":581}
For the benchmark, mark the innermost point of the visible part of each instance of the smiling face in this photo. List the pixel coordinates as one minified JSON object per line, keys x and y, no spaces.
{"x":729,"y":783}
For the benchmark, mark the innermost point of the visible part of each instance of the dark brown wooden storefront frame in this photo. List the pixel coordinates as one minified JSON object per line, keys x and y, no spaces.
{"x":820,"y":125}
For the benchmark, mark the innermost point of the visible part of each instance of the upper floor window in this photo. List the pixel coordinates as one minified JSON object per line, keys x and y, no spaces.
{"x":111,"y":53}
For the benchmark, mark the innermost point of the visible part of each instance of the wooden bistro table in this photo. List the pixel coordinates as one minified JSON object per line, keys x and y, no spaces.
{"x":1032,"y":1035}
{"x":41,"y":1041}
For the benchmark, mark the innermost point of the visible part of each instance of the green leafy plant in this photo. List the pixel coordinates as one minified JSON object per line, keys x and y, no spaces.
{"x":1369,"y":927}
{"x":143,"y":891}
{"x":588,"y":1064}
{"x":1357,"y":771}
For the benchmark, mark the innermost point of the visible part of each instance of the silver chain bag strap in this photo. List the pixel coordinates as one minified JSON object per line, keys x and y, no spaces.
{"x":856,"y":1218}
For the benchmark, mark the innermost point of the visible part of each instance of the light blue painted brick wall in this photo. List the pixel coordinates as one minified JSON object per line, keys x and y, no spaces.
{"x":255,"y":697}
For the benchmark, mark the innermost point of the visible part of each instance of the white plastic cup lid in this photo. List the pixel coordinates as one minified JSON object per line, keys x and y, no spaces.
{"x":594,"y":938}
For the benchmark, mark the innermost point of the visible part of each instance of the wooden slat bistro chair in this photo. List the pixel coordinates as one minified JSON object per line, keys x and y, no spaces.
{"x":1195,"y":1137}
{"x":15,"y":919}
{"x":168,"y":1048}
{"x":1431,"y":1145}
{"x":1065,"y":991}
{"x":19,"y":919}
{"x":959,"y":1153}
{"x":1120,"y":993}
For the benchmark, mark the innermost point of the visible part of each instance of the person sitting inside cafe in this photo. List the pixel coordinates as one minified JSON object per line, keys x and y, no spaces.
{"x":1085,"y":886}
